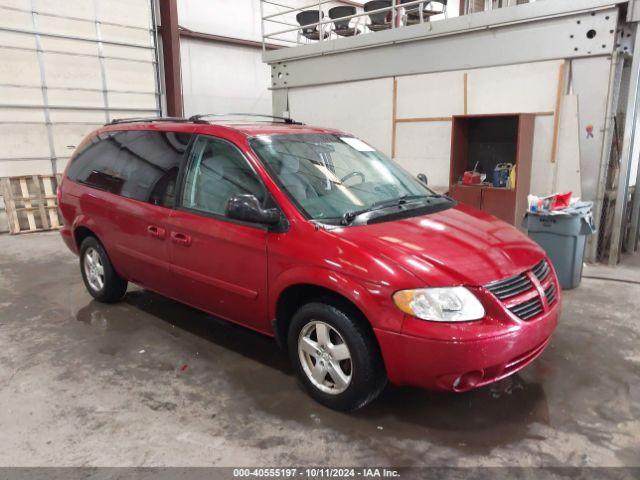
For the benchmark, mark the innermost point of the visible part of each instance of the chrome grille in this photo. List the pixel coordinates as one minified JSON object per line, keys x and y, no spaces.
{"x":519,"y":284}
{"x":541,"y":270}
{"x":510,"y":287}
{"x":528,"y":309}
{"x":551,"y":294}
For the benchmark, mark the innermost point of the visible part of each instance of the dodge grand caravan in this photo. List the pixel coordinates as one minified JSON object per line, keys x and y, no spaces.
{"x":313,"y":237}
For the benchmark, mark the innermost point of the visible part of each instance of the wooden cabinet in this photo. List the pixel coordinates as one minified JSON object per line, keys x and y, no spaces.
{"x":481,"y":142}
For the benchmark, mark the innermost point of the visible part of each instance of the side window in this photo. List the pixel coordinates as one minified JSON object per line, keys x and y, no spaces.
{"x":94,"y":165}
{"x":138,"y":164}
{"x":149,"y":163}
{"x":217,"y":171}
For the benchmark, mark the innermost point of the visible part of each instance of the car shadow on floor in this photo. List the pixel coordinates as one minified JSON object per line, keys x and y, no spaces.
{"x":475,"y":421}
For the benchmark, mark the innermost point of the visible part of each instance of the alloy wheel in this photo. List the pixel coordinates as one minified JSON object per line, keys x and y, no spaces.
{"x":93,"y":269}
{"x":325,"y":357}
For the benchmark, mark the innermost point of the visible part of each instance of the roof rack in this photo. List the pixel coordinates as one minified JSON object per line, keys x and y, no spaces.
{"x":201,"y":117}
{"x":116,"y":121}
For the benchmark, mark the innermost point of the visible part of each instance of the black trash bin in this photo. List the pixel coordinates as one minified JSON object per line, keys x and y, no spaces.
{"x":563,"y":236}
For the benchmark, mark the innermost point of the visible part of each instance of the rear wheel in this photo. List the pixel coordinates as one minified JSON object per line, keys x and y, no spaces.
{"x":336,"y":357}
{"x":100,"y":279}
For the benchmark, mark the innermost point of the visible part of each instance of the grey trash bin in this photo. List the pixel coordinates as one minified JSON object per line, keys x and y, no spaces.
{"x":563,"y":237}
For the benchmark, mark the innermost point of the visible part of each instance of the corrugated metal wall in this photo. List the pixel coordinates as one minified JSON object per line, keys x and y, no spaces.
{"x":67,"y":67}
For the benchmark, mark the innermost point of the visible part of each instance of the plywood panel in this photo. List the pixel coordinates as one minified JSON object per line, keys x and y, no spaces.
{"x":425,"y":148}
{"x":590,"y":78}
{"x":361,"y":108}
{"x":542,"y":169}
{"x":431,"y":95}
{"x":525,"y":88}
{"x":568,"y":158}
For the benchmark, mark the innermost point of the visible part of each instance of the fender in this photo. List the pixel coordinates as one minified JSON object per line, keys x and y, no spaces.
{"x":372,"y":298}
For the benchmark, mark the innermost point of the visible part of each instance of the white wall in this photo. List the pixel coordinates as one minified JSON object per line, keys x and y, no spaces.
{"x":218,"y":77}
{"x":365,"y":109}
{"x":222,"y":78}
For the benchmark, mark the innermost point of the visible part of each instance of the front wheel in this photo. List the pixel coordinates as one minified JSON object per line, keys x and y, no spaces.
{"x":101,"y":280}
{"x":336,"y":357}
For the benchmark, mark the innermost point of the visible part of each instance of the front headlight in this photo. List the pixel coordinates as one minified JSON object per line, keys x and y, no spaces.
{"x":452,"y":304}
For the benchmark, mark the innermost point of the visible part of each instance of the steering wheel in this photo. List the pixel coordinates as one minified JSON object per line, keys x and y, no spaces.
{"x":354,"y":174}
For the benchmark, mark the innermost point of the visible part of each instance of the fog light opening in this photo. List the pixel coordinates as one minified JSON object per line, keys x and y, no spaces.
{"x":467,"y":380}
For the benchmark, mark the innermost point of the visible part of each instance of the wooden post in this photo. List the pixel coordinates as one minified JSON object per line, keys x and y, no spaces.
{"x":556,"y":116}
{"x":394,"y":117}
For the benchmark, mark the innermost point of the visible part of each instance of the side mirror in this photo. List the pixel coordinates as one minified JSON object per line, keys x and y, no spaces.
{"x":247,"y":208}
{"x":423,"y":178}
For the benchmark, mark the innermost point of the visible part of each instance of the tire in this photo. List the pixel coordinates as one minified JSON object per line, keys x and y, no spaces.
{"x":100,"y":279}
{"x":361,"y":377}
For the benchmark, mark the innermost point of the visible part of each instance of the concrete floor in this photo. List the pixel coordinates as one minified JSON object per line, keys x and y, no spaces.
{"x":87,"y":384}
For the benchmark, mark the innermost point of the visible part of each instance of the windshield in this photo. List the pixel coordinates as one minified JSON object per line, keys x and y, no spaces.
{"x":333,"y":177}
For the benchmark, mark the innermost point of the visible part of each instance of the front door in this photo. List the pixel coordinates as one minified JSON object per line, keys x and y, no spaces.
{"x":220,"y":265}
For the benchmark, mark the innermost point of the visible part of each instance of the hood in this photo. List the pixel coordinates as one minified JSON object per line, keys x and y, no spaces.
{"x":460,"y":245}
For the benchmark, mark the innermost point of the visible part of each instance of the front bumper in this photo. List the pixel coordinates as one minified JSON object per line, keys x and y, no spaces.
{"x":462,"y":364}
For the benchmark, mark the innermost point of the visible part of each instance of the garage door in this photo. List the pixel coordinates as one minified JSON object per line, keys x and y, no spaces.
{"x":67,"y":67}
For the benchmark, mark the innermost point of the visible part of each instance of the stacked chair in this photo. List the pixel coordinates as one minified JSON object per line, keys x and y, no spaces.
{"x":421,"y":12}
{"x":343,"y":28}
{"x":309,"y":17}
{"x":378,"y":21}
{"x":381,"y":20}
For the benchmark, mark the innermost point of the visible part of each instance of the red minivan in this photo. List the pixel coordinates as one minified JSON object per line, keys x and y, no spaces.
{"x":313,"y":237}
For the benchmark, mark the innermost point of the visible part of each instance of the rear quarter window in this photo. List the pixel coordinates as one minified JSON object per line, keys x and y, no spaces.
{"x":137,"y":164}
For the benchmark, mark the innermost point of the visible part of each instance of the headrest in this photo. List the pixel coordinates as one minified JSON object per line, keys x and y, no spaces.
{"x":290,"y":164}
{"x":213,"y":167}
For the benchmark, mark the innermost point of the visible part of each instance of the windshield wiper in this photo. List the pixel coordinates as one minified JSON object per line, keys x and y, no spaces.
{"x":349,"y":217}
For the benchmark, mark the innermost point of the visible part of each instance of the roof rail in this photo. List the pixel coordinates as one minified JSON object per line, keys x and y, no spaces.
{"x":202,"y":117}
{"x":117,"y":121}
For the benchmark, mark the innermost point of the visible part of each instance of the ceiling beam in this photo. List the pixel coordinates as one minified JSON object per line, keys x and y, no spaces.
{"x":209,"y":37}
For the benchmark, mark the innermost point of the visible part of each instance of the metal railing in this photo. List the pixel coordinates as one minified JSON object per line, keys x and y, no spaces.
{"x":398,"y":15}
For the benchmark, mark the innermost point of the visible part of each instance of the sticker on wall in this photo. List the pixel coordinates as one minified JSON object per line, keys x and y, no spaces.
{"x":589,"y":131}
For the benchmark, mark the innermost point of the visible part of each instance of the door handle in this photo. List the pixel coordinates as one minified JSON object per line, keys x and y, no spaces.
{"x":181,"y":239}
{"x":157,"y":232}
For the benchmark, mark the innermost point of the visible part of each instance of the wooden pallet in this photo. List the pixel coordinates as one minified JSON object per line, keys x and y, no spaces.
{"x":31,"y":203}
